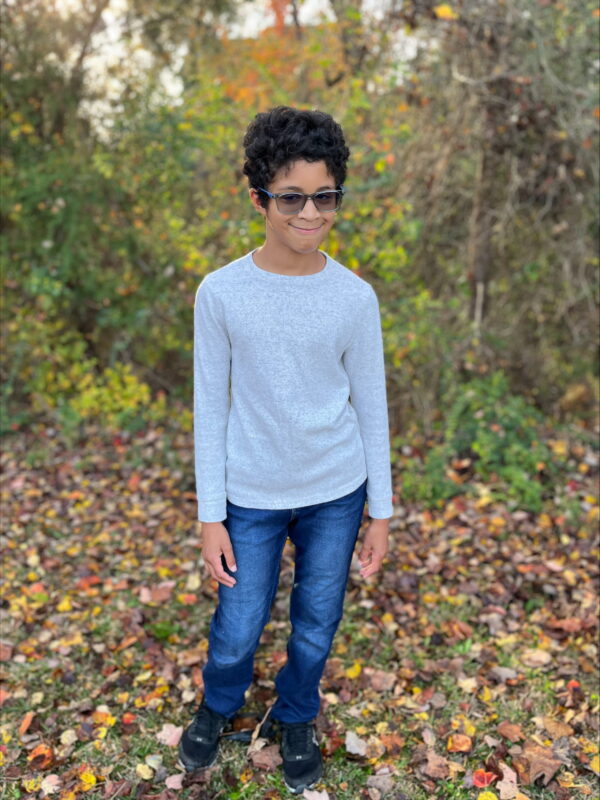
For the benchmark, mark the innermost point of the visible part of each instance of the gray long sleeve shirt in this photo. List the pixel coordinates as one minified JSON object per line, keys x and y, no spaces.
{"x":289,"y":390}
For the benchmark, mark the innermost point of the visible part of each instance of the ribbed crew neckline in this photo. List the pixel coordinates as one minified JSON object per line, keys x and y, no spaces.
{"x":277,"y":278}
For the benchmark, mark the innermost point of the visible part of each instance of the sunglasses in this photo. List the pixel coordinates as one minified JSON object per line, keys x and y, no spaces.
{"x":294,"y":202}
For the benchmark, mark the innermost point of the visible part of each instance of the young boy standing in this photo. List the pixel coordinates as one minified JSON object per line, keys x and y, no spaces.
{"x":291,"y":435}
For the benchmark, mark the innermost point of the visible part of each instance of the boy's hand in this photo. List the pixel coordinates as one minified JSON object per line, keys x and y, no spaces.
{"x":218,"y":552}
{"x":374,"y":547}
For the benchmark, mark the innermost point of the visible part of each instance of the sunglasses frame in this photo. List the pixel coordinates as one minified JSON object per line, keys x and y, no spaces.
{"x":339,"y":192}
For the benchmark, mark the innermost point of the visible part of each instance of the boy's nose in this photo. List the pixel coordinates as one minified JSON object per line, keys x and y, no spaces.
{"x":310,"y":211}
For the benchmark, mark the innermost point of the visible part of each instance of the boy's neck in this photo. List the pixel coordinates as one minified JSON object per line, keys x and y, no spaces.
{"x":285,"y":262}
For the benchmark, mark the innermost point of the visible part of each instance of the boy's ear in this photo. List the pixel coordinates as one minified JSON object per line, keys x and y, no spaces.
{"x":255,"y":200}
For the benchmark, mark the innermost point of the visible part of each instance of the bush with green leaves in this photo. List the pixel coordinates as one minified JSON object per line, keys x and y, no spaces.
{"x":497,"y":436}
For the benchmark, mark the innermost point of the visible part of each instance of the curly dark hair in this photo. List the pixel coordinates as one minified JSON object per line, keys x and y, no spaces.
{"x":277,"y":138}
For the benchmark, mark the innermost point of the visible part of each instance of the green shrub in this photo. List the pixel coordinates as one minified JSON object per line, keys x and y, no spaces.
{"x":495,"y":437}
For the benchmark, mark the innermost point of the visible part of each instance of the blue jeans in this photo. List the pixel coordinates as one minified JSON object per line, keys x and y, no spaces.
{"x":324,"y":536}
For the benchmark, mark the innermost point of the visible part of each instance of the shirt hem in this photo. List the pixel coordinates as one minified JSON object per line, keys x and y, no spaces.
{"x":280,"y":505}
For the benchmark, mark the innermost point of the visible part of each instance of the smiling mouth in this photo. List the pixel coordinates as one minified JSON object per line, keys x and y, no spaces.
{"x":306,"y":230}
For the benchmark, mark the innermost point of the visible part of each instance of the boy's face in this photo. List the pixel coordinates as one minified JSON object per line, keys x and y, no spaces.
{"x":301,"y":233}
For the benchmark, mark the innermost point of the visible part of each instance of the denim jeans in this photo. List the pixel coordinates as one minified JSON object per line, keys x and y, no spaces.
{"x":324,"y":536}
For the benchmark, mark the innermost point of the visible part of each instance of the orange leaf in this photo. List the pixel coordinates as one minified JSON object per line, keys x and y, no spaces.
{"x":42,"y":756}
{"x":25,"y":722}
{"x":459,"y":743}
{"x":187,"y":599}
{"x":482,"y":778}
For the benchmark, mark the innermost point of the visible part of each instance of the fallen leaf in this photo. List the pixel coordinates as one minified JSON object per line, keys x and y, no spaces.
{"x":68,"y":737}
{"x":536,"y":762}
{"x":267,"y":758}
{"x":459,"y":743}
{"x":393,"y":743}
{"x":41,"y":757}
{"x":313,"y":794}
{"x":144,"y":771}
{"x":437,"y":766}
{"x":503,"y":674}
{"x":354,"y":744}
{"x":375,"y":747}
{"x":174,"y":781}
{"x":380,"y":680}
{"x":508,"y":785}
{"x":467,"y":684}
{"x":354,"y":671}
{"x":510,"y":731}
{"x":6,"y":650}
{"x":154,"y":761}
{"x":385,"y":783}
{"x":444,"y":11}
{"x":50,"y":784}
{"x":170,"y":734}
{"x":536,"y":658}
{"x":481,"y":778}
{"x":556,"y":728}
{"x":487,"y":795}
{"x":25,"y":723}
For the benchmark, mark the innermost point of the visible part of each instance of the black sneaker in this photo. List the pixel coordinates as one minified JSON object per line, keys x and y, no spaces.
{"x":302,"y":762}
{"x":199,"y":745}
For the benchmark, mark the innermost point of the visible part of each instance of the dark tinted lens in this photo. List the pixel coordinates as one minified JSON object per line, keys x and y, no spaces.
{"x":289,"y":203}
{"x":327,"y":201}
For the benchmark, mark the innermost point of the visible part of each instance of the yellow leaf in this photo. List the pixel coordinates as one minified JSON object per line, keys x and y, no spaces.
{"x":65,"y":604}
{"x":88,"y":781}
{"x":487,"y":795}
{"x":485,"y":695}
{"x":595,"y":764}
{"x":144,"y":771}
{"x":444,"y":11}
{"x":354,"y":671}
{"x":32,"y":785}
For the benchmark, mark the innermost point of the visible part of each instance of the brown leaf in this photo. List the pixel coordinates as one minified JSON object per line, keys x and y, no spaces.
{"x":385,"y":783}
{"x":393,"y":743}
{"x":536,"y":658}
{"x":6,"y":650}
{"x":536,"y":762}
{"x":375,"y":747}
{"x":380,"y":680}
{"x":437,"y":766}
{"x":570,"y":624}
{"x":267,"y":758}
{"x":510,"y":731}
{"x":556,"y":728}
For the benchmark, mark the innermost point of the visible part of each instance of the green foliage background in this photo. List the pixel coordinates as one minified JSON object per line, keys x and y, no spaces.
{"x":107,"y":231}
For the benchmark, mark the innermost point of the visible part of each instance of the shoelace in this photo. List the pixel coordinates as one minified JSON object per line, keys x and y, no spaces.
{"x":298,"y":738}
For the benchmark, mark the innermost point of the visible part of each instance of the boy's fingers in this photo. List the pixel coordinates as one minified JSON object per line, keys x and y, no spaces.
{"x":230,"y":558}
{"x":217,"y":572}
{"x":364,"y":554}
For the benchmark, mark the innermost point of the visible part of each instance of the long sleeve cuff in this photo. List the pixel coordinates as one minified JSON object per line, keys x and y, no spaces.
{"x":212,"y":510}
{"x":380,"y":508}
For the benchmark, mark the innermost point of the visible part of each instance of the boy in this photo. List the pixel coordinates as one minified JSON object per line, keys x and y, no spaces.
{"x":291,"y":434}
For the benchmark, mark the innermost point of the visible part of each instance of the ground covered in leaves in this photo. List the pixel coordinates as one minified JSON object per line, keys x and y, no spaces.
{"x":468,"y":669}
